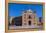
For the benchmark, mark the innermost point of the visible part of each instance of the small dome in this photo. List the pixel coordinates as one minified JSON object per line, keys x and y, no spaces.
{"x":29,"y":10}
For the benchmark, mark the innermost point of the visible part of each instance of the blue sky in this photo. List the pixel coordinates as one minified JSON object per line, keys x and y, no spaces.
{"x":15,"y":9}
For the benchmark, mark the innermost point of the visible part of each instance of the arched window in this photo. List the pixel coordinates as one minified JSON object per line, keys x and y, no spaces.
{"x":24,"y":23}
{"x":29,"y":16}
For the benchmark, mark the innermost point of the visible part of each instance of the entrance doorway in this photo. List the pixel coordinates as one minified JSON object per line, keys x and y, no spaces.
{"x":29,"y":22}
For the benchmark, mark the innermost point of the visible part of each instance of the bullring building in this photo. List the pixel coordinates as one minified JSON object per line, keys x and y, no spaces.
{"x":28,"y":19}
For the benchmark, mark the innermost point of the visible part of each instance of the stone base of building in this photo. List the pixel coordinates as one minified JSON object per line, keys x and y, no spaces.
{"x":21,"y":27}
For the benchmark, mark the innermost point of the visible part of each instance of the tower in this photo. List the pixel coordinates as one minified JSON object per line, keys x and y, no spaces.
{"x":28,"y":18}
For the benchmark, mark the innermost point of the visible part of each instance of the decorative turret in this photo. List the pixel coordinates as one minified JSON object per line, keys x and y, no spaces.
{"x":34,"y":12}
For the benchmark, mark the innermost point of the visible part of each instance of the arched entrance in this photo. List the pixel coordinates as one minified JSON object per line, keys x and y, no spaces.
{"x":29,"y":22}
